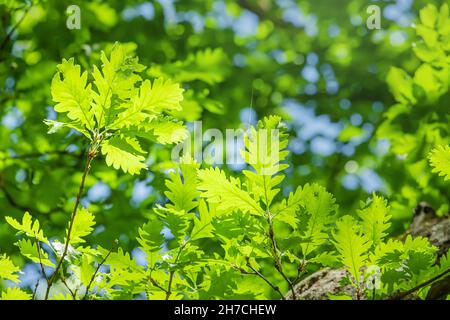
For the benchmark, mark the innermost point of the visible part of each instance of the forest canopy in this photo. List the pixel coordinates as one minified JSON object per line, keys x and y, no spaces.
{"x":222,"y":149}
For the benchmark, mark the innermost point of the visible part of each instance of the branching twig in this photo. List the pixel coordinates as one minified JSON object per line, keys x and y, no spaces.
{"x":10,"y":33}
{"x":156,"y":284}
{"x":35,"y":290}
{"x":172,"y":272}
{"x":72,"y":293}
{"x":276,"y":256}
{"x":259,"y":274}
{"x":402,"y":295}
{"x":91,"y":155}
{"x":40,"y":259}
{"x":88,"y":287}
{"x":300,"y":271}
{"x":13,"y":202}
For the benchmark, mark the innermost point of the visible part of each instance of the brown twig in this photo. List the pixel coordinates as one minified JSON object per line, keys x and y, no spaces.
{"x":38,"y":246}
{"x":300,"y":270}
{"x":401,"y":295}
{"x":156,"y":284}
{"x":72,"y":293}
{"x":276,"y":256}
{"x":259,"y":274}
{"x":35,"y":290}
{"x":10,"y":33}
{"x":88,"y":287}
{"x":91,"y":155}
{"x":172,"y":272}
{"x":13,"y":202}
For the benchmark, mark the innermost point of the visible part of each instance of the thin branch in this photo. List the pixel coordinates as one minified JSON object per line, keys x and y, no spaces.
{"x":98,"y":268}
{"x":172,"y":272}
{"x":13,"y":202}
{"x":402,"y":295}
{"x":156,"y":284}
{"x":259,"y":274}
{"x":90,"y":157}
{"x":40,"y":259}
{"x":35,"y":289}
{"x":168,"y":291}
{"x":13,"y":29}
{"x":277,"y":258}
{"x":300,"y":271}
{"x":72,"y":293}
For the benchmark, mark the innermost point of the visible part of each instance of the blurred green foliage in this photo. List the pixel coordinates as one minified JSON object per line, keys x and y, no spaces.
{"x":364,"y":107}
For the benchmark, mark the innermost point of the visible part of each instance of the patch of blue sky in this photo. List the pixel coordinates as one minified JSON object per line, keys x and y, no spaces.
{"x":381,"y":147}
{"x":145,"y":10}
{"x":312,"y":58}
{"x":321,"y":132}
{"x":239,"y":60}
{"x":51,"y":113}
{"x":233,"y":154}
{"x":13,"y":118}
{"x":141,"y":191}
{"x":333,"y":30}
{"x":194,"y":18}
{"x":21,"y":175}
{"x":345,"y":104}
{"x":278,"y":55}
{"x":318,"y":130}
{"x":9,"y":84}
{"x":99,"y":192}
{"x":399,"y":12}
{"x":356,"y":119}
{"x":14,"y":138}
{"x":294,"y":15}
{"x":350,"y":181}
{"x":248,"y":116}
{"x":356,"y":20}
{"x":169,"y":11}
{"x":327,"y":71}
{"x":319,"y":125}
{"x":377,"y":106}
{"x":347,"y":149}
{"x":323,"y":146}
{"x":167,"y":233}
{"x":332,"y":86}
{"x":297,"y":146}
{"x":29,"y":276}
{"x":220,"y":15}
{"x":366,"y":179}
{"x":310,"y":73}
{"x":370,"y":180}
{"x":171,"y":16}
{"x":397,"y":38}
{"x":310,"y":89}
{"x":140,"y":256}
{"x":99,"y":229}
{"x":72,"y":148}
{"x":246,"y":24}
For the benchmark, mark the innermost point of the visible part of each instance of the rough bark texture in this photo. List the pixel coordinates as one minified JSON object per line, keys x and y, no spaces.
{"x":425,"y":223}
